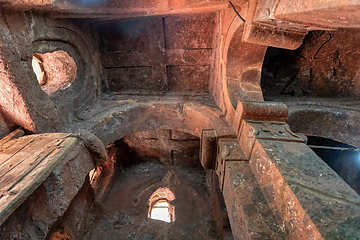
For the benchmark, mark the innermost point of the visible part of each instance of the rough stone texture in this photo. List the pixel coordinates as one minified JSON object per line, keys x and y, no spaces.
{"x":112,"y":120}
{"x":124,"y":214}
{"x":136,"y":74}
{"x":4,"y":128}
{"x":158,"y":53}
{"x":161,"y":147}
{"x":118,"y":9}
{"x":132,"y":78}
{"x":274,"y":36}
{"x":314,"y":185}
{"x":193,"y":32}
{"x":181,"y":136}
{"x":243,"y":83}
{"x":94,"y":145}
{"x":333,"y":119}
{"x":129,"y":218}
{"x":75,"y":39}
{"x":23,"y":103}
{"x":326,"y":65}
{"x":60,"y":71}
{"x":188,"y":77}
{"x":248,"y":210}
{"x":320,"y":13}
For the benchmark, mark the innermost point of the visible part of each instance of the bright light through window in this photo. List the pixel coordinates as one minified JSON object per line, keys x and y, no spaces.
{"x":160,"y":207}
{"x":160,"y":211}
{"x":38,"y":69}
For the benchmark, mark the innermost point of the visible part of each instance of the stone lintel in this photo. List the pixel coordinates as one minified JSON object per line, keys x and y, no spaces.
{"x":273,"y":35}
{"x":345,"y":16}
{"x":262,"y":111}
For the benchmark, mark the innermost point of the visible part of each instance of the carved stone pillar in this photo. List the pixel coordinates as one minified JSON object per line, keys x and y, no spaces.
{"x":276,"y":186}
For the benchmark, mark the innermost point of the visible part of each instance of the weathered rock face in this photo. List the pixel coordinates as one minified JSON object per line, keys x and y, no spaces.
{"x":189,"y":65}
{"x":326,"y":65}
{"x":145,"y":162}
{"x":71,"y":72}
{"x":59,"y":71}
{"x":169,"y":147}
{"x":171,"y":53}
{"x":124,"y":212}
{"x":22,"y":101}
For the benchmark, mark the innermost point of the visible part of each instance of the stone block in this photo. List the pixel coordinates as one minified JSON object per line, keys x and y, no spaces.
{"x":299,"y":164}
{"x":249,"y":214}
{"x":208,"y":148}
{"x":133,"y":78}
{"x":132,"y":35}
{"x":185,"y":157}
{"x":188,"y":78}
{"x":303,"y":191}
{"x":334,"y":218}
{"x":283,"y":202}
{"x":190,"y":31}
{"x":249,"y":56}
{"x":228,"y":150}
{"x":113,"y":59}
{"x":270,"y":111}
{"x":272,"y":35}
{"x":180,"y":136}
{"x":191,"y":57}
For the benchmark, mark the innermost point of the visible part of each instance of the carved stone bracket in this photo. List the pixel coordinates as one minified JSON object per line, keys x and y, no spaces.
{"x":208,"y":144}
{"x":276,"y":131}
{"x":227,"y":150}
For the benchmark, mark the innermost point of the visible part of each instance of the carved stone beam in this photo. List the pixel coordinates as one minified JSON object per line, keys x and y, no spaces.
{"x":248,"y":211}
{"x":273,"y":35}
{"x":305,"y":195}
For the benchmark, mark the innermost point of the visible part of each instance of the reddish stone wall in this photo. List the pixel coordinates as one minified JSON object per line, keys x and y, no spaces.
{"x":144,"y":162}
{"x":165,"y":146}
{"x":171,"y":53}
{"x":326,"y":65}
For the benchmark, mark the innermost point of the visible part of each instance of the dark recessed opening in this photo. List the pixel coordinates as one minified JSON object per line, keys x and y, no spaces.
{"x":325,"y":65}
{"x":342,"y":158}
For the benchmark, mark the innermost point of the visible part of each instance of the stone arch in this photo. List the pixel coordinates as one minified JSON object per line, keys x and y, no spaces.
{"x":162,"y":194}
{"x":328,"y":122}
{"x":121,"y":121}
{"x":241,"y":71}
{"x":64,"y":36}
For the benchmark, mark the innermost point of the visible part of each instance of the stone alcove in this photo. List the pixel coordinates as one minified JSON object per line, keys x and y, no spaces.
{"x":115,"y":203}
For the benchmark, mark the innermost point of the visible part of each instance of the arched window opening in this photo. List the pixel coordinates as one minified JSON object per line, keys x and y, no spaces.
{"x":54,"y":70}
{"x":160,"y":207}
{"x":38,"y":69}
